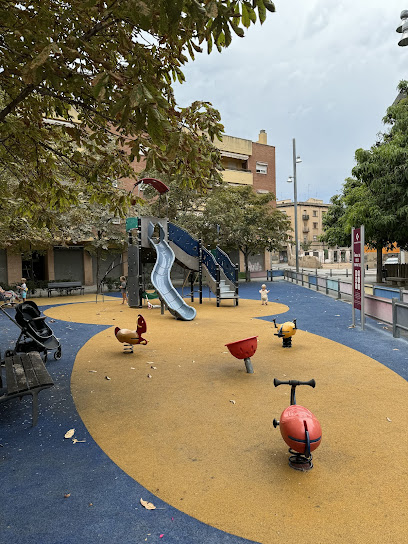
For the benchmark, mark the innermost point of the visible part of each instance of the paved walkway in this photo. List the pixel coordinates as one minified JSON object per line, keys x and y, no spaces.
{"x":216,"y":470}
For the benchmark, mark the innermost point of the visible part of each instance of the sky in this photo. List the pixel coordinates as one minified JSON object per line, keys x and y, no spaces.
{"x":322,"y":72}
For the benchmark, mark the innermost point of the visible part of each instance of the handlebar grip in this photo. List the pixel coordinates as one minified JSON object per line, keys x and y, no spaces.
{"x":277,"y":382}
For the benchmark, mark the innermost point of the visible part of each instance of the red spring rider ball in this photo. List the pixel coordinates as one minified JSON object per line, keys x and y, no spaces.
{"x":299,"y":428}
{"x":293,"y":424}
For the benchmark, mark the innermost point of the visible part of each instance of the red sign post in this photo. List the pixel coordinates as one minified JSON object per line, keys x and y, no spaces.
{"x":357,"y":241}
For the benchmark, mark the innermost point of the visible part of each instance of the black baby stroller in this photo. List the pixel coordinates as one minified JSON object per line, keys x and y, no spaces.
{"x":35,"y":334}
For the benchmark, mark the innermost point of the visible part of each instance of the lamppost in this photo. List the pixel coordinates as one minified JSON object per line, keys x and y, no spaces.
{"x":403,"y":28}
{"x":296,"y":160}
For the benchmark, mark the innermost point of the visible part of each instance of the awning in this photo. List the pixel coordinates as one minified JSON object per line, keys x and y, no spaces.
{"x":234,"y":155}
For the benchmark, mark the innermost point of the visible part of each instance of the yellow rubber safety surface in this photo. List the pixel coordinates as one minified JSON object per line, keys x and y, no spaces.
{"x":184,"y":418}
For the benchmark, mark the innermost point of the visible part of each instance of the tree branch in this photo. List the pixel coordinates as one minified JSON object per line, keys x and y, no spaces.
{"x":105,"y":23}
{"x":14,"y":103}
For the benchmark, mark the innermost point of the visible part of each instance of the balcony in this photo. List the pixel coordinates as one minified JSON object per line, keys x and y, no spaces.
{"x":305,"y":217}
{"x":306,"y":229}
{"x":240,"y":177}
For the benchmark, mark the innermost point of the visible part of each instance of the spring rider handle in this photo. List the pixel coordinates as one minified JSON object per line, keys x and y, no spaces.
{"x":293,"y":384}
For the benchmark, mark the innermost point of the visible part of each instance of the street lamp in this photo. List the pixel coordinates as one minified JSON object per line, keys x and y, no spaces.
{"x":296,"y":160}
{"x":403,"y":28}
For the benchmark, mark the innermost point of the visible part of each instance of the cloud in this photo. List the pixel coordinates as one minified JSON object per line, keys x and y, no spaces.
{"x":321,"y":71}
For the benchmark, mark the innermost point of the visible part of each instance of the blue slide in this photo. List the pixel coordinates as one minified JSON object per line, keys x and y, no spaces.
{"x":161,"y":278}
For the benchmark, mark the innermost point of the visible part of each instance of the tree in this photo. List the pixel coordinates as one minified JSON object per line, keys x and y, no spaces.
{"x":377,"y":195}
{"x":246,"y":221}
{"x":105,"y":71}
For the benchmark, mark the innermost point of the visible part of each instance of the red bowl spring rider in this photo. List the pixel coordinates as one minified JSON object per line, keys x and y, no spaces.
{"x":299,"y":428}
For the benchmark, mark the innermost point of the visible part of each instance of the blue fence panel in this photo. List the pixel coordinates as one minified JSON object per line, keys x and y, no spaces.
{"x":183,"y":239}
{"x":386,"y":292}
{"x":226,"y":264}
{"x":312,"y":280}
{"x":210,"y":263}
{"x":333,"y":285}
{"x":274,"y":273}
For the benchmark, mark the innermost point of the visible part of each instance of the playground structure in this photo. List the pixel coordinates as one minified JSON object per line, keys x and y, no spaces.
{"x":299,"y":428}
{"x":157,"y":241}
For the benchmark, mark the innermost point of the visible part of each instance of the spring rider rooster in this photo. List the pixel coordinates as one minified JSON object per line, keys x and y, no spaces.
{"x":129,"y":338}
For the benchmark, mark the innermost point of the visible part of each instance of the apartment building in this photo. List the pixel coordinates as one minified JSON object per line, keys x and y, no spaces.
{"x":310,"y":216}
{"x":248,"y":163}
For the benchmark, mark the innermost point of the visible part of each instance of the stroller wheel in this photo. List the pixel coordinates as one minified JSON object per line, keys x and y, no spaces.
{"x":58,"y":354}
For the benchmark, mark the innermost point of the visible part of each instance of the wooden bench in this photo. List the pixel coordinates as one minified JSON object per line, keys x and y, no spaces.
{"x":67,"y":286}
{"x":397,"y":281}
{"x":25,"y":375}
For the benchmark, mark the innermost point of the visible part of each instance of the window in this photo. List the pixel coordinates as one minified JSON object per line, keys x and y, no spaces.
{"x":261,"y":168}
{"x":314,"y":237}
{"x":315,"y":225}
{"x":314,"y":213}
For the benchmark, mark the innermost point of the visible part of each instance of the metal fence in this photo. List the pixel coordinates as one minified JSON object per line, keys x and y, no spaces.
{"x":399,"y":317}
{"x":384,"y":303}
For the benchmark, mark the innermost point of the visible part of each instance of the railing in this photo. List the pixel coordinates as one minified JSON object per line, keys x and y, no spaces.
{"x":183,"y":239}
{"x":210,"y":263}
{"x":399,"y":317}
{"x":229,"y":268}
{"x":384,"y":303}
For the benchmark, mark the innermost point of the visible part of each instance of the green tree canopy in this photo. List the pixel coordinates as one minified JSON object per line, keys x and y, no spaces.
{"x":247,"y":221}
{"x":377,"y":195}
{"x":106,"y":70}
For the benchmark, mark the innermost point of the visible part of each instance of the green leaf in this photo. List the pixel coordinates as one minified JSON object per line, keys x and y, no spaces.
{"x":246,"y":21}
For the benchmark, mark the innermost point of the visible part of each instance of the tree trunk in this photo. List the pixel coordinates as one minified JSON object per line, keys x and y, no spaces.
{"x":247,"y":272}
{"x":98,"y":260}
{"x":379,"y":264}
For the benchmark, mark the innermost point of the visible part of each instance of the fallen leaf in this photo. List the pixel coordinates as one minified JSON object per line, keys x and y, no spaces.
{"x":388,"y":419}
{"x":70,"y":433}
{"x":233,"y":401}
{"x":149,"y":375}
{"x":92,"y":371}
{"x":75,"y":440}
{"x":107,"y":378}
{"x":148,"y":505}
{"x":395,"y":349}
{"x":67,"y":495}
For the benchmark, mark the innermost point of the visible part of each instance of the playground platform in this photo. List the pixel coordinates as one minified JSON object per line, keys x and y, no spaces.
{"x":181,"y":424}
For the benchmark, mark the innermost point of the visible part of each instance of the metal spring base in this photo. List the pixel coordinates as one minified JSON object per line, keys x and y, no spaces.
{"x":299,"y":461}
{"x":127,"y":348}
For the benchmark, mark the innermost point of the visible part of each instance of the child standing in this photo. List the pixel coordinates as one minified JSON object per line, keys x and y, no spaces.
{"x":264,"y":294}
{"x":23,"y":289}
{"x":123,"y":289}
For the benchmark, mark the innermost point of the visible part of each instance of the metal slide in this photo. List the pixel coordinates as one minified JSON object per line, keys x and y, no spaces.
{"x":161,"y":278}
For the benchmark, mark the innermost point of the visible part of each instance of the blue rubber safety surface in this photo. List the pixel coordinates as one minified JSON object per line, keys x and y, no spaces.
{"x":39,"y":466}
